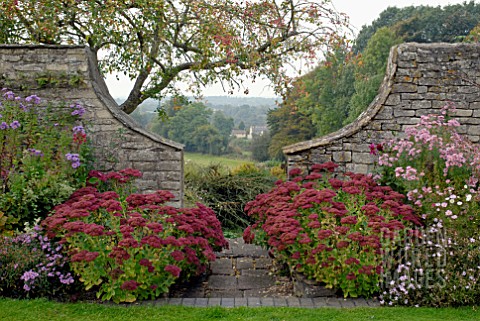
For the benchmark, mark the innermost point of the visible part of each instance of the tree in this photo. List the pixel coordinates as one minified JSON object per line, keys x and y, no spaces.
{"x":224,"y":126}
{"x":259,"y":147}
{"x":288,"y":124}
{"x":183,"y":120}
{"x":208,"y":140}
{"x":222,"y":123}
{"x":158,"y":43}
{"x":241,"y":126}
{"x":370,"y":70}
{"x":328,"y":90}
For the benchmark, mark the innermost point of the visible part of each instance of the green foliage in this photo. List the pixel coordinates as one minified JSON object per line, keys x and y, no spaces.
{"x":259,"y":147}
{"x":370,"y":71}
{"x":43,"y":157}
{"x":328,"y":90}
{"x":424,"y":23}
{"x":226,"y":191}
{"x":288,"y":124}
{"x":474,"y":35}
{"x":330,"y":230}
{"x":195,"y":125}
{"x":131,"y":246}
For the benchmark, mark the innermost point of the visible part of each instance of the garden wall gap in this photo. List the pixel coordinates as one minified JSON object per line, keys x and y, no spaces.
{"x":69,"y":74}
{"x":420,"y":80}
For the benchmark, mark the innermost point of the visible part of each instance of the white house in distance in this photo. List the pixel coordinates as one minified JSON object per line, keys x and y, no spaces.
{"x":250,"y":133}
{"x":239,"y":133}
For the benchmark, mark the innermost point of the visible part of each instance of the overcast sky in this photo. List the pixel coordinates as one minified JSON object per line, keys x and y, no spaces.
{"x":361,"y":13}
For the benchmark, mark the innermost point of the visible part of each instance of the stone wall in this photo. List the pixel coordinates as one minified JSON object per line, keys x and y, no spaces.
{"x":420,"y":80}
{"x":69,"y":74}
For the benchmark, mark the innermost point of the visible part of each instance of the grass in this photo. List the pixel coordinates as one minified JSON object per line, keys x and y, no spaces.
{"x":206,"y":160}
{"x":25,"y":310}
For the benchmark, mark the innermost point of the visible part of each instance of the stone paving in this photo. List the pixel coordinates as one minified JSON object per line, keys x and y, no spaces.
{"x":242,"y":276}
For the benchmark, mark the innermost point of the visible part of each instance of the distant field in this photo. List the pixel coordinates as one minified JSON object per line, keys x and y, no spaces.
{"x":205,"y":160}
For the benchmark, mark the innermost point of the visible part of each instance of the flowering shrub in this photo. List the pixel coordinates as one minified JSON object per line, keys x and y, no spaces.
{"x":42,"y":153}
{"x":133,"y":246}
{"x":31,"y":265}
{"x":330,"y":230}
{"x":438,"y":169}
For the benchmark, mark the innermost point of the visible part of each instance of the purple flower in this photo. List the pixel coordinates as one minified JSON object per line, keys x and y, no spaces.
{"x":35,"y":152}
{"x":78,"y":130}
{"x":66,"y":279}
{"x":33,"y":98}
{"x":15,"y":124}
{"x":79,"y":110}
{"x":9,"y":95}
{"x":29,"y":275}
{"x":3,"y":125}
{"x":74,"y":158}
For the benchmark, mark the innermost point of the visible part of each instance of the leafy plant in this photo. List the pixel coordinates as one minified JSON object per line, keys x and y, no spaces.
{"x":331,"y":230}
{"x":43,"y":157}
{"x":133,"y":246}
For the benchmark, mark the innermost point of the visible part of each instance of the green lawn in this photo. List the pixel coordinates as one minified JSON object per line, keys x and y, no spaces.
{"x":205,"y":160}
{"x":25,"y":310}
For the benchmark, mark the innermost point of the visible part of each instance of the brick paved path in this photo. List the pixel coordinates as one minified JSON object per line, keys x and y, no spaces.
{"x":241,"y":276}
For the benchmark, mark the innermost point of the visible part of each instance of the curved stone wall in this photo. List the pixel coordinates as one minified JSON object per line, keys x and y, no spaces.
{"x":420,"y":80}
{"x":69,"y":74}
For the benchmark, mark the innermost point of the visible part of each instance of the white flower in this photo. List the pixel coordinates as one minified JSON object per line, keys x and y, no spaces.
{"x":469,"y":197}
{"x":459,"y":203}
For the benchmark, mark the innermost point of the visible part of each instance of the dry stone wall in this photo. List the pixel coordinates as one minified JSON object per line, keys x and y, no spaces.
{"x":68,"y":74}
{"x":420,"y":80}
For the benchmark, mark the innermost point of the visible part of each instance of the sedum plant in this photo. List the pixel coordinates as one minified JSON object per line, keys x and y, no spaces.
{"x":331,"y":230}
{"x":133,"y":246}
